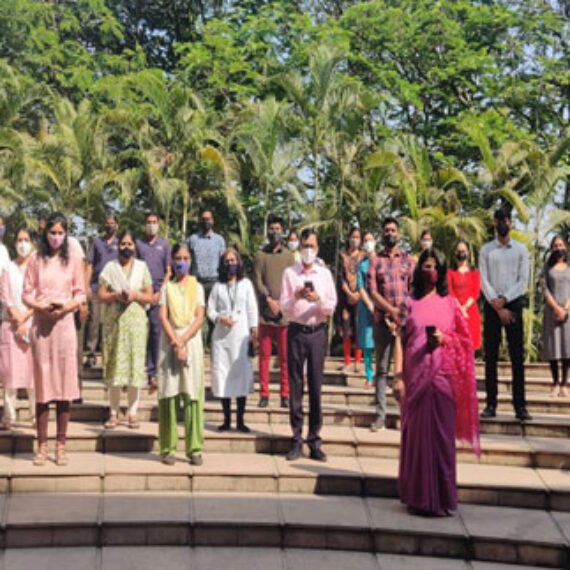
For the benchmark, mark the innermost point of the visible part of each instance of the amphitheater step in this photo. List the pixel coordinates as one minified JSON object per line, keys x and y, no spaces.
{"x":377,"y":525}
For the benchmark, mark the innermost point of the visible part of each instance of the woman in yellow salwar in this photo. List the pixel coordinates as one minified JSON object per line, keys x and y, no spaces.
{"x":181,"y":361}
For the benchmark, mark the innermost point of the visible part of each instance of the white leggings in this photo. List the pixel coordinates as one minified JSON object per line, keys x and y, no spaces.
{"x":133,"y":398}
{"x":10,"y":398}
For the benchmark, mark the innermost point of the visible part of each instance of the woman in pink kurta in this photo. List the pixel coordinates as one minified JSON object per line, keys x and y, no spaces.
{"x":16,"y":365}
{"x":437,"y":391}
{"x":54,"y":289}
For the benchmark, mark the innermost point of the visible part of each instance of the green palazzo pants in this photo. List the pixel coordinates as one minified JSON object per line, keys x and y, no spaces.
{"x":168,"y":424}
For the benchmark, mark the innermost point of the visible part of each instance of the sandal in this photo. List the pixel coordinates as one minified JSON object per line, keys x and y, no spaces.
{"x":112,"y":422}
{"x":369,"y":384}
{"x":60,"y":455}
{"x":41,"y":455}
{"x":133,"y":422}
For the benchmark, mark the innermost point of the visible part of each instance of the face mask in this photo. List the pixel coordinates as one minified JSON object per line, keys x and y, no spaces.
{"x":390,"y":240}
{"x":368,"y":246}
{"x":429,"y":276}
{"x":24,"y":248}
{"x":461,"y":256}
{"x":426,"y":244}
{"x":354,"y":242}
{"x":207,"y":225}
{"x":557,"y":255}
{"x":56,"y":241}
{"x":181,"y":267}
{"x":152,"y":229}
{"x":293,"y":245}
{"x":308,"y":255}
{"x":126,"y":252}
{"x":2,"y":232}
{"x":502,"y":228}
{"x":274,"y":237}
{"x":110,"y":230}
{"x":232,"y":268}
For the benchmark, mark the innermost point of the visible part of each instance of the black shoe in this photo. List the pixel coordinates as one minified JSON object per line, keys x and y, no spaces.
{"x":294,"y":453}
{"x":243,"y":428}
{"x":284,"y":402}
{"x":489,"y":412}
{"x":263,"y":402}
{"x":522,"y":415}
{"x":224,"y":427}
{"x":91,"y":361}
{"x":77,"y":401}
{"x":318,"y":455}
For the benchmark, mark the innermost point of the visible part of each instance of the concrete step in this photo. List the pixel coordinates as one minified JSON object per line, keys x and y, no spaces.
{"x":278,"y":521}
{"x":520,"y":487}
{"x":346,"y":441}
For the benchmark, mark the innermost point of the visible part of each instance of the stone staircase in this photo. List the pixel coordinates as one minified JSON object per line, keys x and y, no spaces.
{"x":117,"y":506}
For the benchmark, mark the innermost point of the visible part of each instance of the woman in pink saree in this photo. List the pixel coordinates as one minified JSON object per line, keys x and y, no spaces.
{"x":435,"y":385}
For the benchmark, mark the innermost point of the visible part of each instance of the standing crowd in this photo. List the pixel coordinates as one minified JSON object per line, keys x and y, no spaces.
{"x":153,"y":307}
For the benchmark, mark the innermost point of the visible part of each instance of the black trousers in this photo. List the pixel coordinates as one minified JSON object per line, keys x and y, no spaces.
{"x":306,"y":347}
{"x":208,"y":286}
{"x":492,"y":341}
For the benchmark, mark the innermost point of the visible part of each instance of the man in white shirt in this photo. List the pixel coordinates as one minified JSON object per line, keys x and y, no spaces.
{"x":504,"y":268}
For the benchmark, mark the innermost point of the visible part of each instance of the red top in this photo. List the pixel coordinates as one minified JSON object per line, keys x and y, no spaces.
{"x":462,"y":286}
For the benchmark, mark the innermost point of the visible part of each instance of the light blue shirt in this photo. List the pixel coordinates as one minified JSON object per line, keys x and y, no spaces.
{"x":206,"y":252}
{"x":504,"y":270}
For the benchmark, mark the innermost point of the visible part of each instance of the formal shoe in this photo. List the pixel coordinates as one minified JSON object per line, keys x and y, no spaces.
{"x":196,"y":459}
{"x":285,"y":402}
{"x":263,"y":402}
{"x":318,"y":455}
{"x":294,"y":453}
{"x":243,"y":428}
{"x":522,"y":415}
{"x":224,"y":427}
{"x":489,"y":412}
{"x":169,"y":459}
{"x":378,"y":425}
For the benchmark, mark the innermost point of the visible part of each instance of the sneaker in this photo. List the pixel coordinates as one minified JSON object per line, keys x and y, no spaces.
{"x":196,"y":459}
{"x":168,"y":459}
{"x":263,"y":402}
{"x":91,"y":361}
{"x":377,"y":425}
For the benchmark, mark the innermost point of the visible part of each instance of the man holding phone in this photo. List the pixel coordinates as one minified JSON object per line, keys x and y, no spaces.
{"x":308,"y":298}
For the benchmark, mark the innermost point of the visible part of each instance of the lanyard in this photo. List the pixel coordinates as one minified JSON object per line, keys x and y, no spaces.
{"x":232,"y":299}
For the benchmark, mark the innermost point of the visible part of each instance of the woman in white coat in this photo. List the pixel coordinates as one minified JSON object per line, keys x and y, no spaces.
{"x":232,"y":307}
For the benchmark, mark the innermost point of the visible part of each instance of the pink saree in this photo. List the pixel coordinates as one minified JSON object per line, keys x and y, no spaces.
{"x":440,"y":405}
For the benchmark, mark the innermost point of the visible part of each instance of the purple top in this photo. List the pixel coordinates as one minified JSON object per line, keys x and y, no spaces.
{"x":100,"y":253}
{"x":157,"y":257}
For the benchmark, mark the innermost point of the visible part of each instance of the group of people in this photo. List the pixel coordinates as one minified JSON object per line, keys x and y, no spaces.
{"x":149,"y":304}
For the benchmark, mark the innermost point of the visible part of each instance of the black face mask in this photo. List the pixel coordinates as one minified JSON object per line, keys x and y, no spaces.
{"x":207,"y":225}
{"x":461,"y":256}
{"x":126,"y":252}
{"x":110,"y":230}
{"x":502,"y":228}
{"x":274,"y":237}
{"x":390,"y":240}
{"x":557,"y":255}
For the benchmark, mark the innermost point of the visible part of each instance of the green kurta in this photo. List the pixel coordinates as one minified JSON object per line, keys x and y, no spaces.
{"x":125,"y":328}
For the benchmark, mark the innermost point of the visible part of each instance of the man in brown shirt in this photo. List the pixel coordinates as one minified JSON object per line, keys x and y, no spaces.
{"x":270,"y":263}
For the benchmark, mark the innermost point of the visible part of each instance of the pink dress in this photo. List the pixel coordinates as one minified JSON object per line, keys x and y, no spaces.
{"x":16,"y":365}
{"x":54,"y":342}
{"x":440,"y":404}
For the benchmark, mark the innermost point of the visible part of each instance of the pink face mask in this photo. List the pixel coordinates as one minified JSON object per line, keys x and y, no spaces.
{"x":56,"y":241}
{"x":429,"y":276}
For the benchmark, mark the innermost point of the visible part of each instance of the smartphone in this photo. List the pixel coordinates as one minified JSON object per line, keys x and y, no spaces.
{"x":309,"y":286}
{"x":55,"y":305}
{"x":125,"y":295}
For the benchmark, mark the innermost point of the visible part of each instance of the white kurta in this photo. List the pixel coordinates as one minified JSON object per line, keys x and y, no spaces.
{"x":232,"y":372}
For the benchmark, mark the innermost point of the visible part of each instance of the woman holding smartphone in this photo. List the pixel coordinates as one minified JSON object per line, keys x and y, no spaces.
{"x":54,"y":288}
{"x":232,"y":306}
{"x":125,"y":287}
{"x":435,"y":385}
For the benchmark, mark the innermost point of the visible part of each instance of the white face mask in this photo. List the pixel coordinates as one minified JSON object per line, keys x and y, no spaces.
{"x":354,"y":242}
{"x":308,"y":255}
{"x":152,"y":229}
{"x":293,"y":245}
{"x":24,"y":248}
{"x":426,"y":244}
{"x":369,"y":246}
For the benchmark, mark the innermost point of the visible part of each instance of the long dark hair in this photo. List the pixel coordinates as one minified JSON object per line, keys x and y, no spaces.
{"x":550,"y":261}
{"x":175,"y":249}
{"x":418,"y":287}
{"x":454,"y":262}
{"x":44,"y":249}
{"x":222,"y":270}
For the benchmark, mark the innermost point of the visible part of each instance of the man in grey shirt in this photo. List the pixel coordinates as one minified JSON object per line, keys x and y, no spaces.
{"x":504,"y":269}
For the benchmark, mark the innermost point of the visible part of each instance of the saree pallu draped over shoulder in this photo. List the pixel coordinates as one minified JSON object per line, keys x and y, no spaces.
{"x":440,"y":404}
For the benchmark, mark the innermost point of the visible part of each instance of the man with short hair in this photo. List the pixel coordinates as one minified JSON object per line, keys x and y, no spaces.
{"x":270,"y":263}
{"x":103,"y":249}
{"x":504,"y":269}
{"x":155,"y":252}
{"x":308,"y":298}
{"x":389,"y":280}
